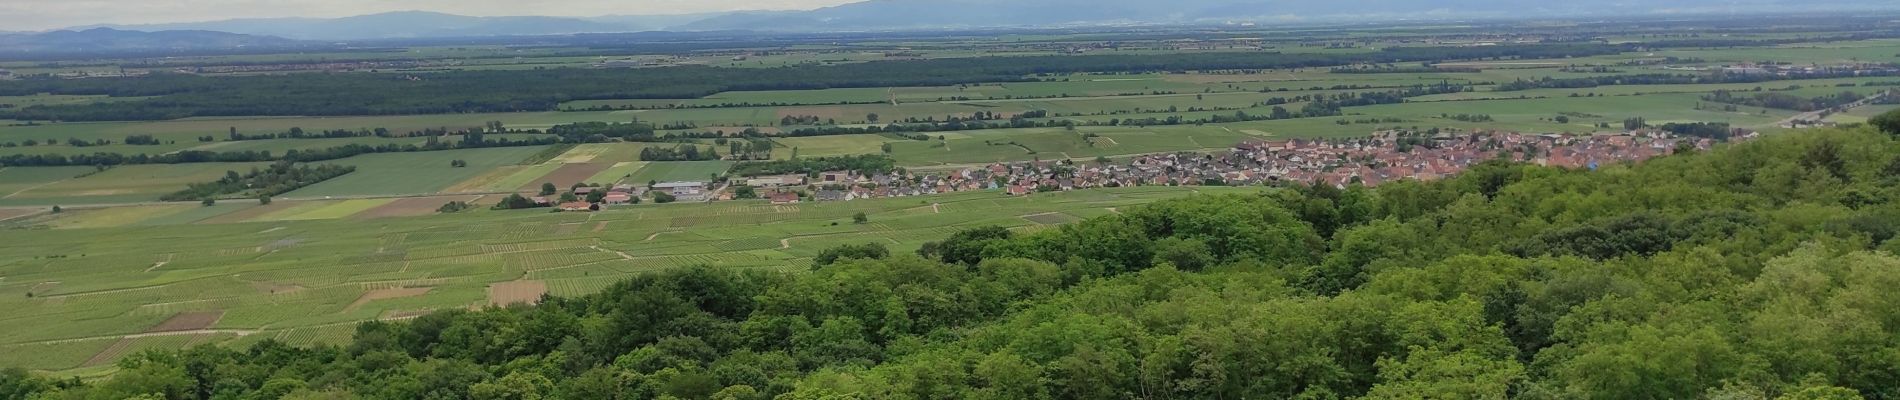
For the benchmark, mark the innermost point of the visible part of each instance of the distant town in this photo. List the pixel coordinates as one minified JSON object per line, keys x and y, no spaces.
{"x":1368,"y":161}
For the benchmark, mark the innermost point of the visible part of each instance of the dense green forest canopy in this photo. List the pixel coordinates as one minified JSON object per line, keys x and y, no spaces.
{"x":1761,"y":270}
{"x":183,"y":95}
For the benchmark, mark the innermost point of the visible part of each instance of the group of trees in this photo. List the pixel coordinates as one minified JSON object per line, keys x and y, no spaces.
{"x":683,"y":152}
{"x":468,"y":141}
{"x":299,"y":133}
{"x":1762,"y":270}
{"x":868,"y":164}
{"x":181,"y":95}
{"x":1675,"y":79}
{"x":1785,"y":101}
{"x":1316,"y":106}
{"x":279,"y":178}
{"x":748,"y":149}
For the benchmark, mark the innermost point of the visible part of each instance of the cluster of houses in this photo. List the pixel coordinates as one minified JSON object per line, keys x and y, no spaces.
{"x":628,"y":194}
{"x":1392,"y":156}
{"x":1368,"y":161}
{"x":1799,"y":71}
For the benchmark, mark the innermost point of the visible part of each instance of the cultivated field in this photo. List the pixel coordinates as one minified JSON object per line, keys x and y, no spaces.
{"x":89,"y":291}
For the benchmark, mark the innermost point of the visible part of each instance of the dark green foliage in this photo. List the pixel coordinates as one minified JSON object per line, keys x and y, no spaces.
{"x":868,"y":251}
{"x":453,"y":207}
{"x":1640,"y":234}
{"x":684,"y":152}
{"x":864,"y":164}
{"x":1711,"y":130}
{"x":515,"y":202}
{"x":964,"y":247}
{"x":1888,"y":122}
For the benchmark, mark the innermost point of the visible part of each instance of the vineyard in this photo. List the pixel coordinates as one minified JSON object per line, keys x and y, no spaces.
{"x":307,"y":281}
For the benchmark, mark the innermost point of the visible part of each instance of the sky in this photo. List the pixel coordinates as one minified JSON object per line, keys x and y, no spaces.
{"x":33,"y":15}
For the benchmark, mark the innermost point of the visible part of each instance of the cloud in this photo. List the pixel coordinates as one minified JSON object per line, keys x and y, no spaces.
{"x":52,"y":14}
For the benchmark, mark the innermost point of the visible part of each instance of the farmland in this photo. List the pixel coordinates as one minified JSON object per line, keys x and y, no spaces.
{"x":114,"y":271}
{"x":414,"y":173}
{"x":287,"y":276}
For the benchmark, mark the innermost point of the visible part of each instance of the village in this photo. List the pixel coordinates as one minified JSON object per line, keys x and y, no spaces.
{"x":1368,"y":161}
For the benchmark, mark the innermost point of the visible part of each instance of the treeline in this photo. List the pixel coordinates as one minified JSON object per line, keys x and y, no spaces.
{"x":1710,"y":130}
{"x":181,"y":96}
{"x":1761,"y":271}
{"x":299,"y":133}
{"x":684,"y":152}
{"x":1321,"y":105}
{"x":1785,"y":101}
{"x":868,"y":164}
{"x":469,"y":141}
{"x":1676,"y":79}
{"x":1389,"y":69}
{"x":279,"y":178}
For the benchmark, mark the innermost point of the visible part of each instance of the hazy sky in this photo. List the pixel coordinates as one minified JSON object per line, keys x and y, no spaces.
{"x":24,"y":15}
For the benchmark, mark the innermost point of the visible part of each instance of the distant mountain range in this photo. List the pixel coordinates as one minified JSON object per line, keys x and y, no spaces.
{"x":901,"y":16}
{"x":422,"y":24}
{"x":884,"y":15}
{"x":925,"y":14}
{"x":99,"y":40}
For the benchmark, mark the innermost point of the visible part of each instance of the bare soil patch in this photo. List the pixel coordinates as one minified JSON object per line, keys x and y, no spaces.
{"x":568,"y":175}
{"x":506,"y":293}
{"x":188,"y":321}
{"x":411,"y":206}
{"x":11,"y":213}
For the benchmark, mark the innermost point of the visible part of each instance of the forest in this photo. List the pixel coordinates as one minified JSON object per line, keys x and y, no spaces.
{"x":1753,"y":271}
{"x":181,"y":96}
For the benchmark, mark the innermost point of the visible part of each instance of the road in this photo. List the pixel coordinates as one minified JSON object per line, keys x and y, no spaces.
{"x":1818,"y":115}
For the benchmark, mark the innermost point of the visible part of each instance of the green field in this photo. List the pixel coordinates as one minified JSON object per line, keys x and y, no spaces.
{"x":822,"y":146}
{"x":129,"y":184}
{"x":319,"y":259}
{"x":14,"y":180}
{"x":620,"y":170}
{"x":412,"y":173}
{"x":664,"y":171}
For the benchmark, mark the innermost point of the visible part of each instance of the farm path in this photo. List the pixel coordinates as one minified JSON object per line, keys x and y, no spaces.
{"x":623,"y":255}
{"x":239,"y":332}
{"x":30,"y":188}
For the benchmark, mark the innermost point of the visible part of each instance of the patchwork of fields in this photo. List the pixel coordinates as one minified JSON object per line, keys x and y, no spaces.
{"x":114,"y":272}
{"x":104,"y":292}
